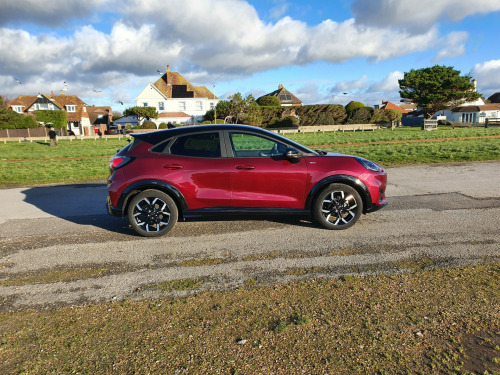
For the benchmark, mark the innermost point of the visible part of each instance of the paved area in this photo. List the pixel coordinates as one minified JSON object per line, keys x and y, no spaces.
{"x":438,"y":216}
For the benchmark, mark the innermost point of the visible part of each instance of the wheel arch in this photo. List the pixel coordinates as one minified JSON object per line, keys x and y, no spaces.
{"x":132,"y":190}
{"x":354,"y":182}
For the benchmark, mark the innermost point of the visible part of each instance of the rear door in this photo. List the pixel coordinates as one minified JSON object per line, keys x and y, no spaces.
{"x":195,"y":165}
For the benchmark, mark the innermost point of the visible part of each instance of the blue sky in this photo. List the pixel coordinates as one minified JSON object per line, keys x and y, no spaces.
{"x":323,"y":51}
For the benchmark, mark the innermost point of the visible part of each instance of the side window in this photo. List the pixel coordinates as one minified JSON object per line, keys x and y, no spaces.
{"x":252,"y":146}
{"x":204,"y":145}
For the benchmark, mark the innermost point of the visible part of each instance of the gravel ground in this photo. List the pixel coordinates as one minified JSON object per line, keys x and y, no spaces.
{"x":438,"y":216}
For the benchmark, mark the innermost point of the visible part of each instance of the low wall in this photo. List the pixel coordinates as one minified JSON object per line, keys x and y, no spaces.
{"x":328,"y":128}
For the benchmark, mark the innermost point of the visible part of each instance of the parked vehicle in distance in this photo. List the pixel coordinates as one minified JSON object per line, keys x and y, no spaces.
{"x":221,"y":169}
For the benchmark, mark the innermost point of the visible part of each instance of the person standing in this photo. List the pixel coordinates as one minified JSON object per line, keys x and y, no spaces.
{"x":53,"y":137}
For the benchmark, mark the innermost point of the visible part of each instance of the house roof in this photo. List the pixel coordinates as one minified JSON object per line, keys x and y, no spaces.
{"x":172,"y":114}
{"x":495,"y":98}
{"x":60,"y":101}
{"x":391,"y":105}
{"x":169,"y":80}
{"x":478,"y":108}
{"x":99,"y":115}
{"x":283,"y":91}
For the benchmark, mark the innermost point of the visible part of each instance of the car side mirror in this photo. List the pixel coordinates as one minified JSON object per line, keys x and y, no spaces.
{"x":292,"y":154}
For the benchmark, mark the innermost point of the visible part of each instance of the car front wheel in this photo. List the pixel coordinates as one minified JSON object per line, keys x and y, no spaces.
{"x":338,"y":207}
{"x":152,"y":213}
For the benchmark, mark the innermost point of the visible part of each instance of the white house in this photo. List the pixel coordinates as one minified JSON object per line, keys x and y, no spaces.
{"x":176,"y":99}
{"x":474,"y":114}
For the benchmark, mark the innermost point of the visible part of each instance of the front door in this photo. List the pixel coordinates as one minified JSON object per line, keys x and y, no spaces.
{"x":261,"y":176}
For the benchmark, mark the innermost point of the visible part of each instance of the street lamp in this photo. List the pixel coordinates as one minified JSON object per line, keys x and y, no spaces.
{"x":215,"y":108}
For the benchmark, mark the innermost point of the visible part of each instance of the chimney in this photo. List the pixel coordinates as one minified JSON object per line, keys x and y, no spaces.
{"x":474,"y":82}
{"x":52,"y":93}
{"x":280,"y":86}
{"x":168,"y":68}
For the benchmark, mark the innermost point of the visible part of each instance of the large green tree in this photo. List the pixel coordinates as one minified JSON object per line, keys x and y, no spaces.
{"x":437,"y":88}
{"x":142,"y":113}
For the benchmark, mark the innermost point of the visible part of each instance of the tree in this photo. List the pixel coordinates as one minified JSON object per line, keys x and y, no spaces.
{"x":142,"y":113}
{"x":239,"y":106}
{"x":437,"y":88}
{"x":269,"y":101}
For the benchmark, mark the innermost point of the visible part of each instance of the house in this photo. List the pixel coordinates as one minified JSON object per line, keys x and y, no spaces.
{"x":176,"y":99}
{"x":76,"y":109}
{"x":474,"y":114}
{"x":286,"y":98}
{"x":122,"y":121}
{"x":390,"y":105}
{"x":100,"y":118}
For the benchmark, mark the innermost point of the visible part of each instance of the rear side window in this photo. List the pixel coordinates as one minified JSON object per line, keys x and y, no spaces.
{"x":204,"y":145}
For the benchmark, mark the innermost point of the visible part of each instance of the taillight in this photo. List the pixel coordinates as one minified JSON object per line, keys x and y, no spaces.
{"x":119,"y":161}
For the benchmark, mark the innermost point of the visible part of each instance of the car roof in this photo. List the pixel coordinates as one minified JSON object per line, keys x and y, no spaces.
{"x":157,"y":136}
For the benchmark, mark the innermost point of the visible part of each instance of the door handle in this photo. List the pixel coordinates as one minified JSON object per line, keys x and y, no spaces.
{"x":245,"y":167}
{"x":172,"y":166}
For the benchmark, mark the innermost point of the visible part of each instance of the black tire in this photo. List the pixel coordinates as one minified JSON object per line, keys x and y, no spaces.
{"x":152,"y":213}
{"x":338,"y":207}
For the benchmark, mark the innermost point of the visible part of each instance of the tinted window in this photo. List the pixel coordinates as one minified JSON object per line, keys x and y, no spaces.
{"x":204,"y":145}
{"x":249,"y":145}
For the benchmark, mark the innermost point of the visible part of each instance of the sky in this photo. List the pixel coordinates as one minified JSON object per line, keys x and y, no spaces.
{"x":323,"y":51}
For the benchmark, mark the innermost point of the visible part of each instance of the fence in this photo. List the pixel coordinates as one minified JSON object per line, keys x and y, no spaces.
{"x":25,"y":133}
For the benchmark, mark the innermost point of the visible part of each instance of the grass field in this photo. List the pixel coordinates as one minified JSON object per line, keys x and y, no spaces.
{"x":426,"y":322}
{"x":79,"y":161}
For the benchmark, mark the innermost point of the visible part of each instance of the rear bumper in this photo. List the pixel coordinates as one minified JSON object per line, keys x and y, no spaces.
{"x":113,"y":211}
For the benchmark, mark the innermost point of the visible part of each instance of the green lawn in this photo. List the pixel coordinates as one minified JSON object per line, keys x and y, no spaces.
{"x":33,"y":163}
{"x":427,"y":322}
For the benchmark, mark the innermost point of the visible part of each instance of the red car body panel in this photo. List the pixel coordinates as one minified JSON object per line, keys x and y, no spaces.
{"x":199,"y":183}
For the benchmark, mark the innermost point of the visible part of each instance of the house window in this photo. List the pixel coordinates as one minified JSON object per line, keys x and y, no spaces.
{"x":199,"y":105}
{"x":144,"y":104}
{"x":161,"y":106}
{"x":18,"y":108}
{"x":71,"y":108}
{"x":212,"y":106}
{"x":182,"y":106}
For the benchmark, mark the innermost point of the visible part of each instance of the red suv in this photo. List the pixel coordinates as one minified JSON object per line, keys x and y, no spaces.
{"x":209,"y":169}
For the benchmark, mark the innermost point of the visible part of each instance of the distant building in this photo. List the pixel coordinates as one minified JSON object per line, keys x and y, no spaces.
{"x":285,"y":97}
{"x":176,"y":99}
{"x":495,"y":98}
{"x":390,"y":105}
{"x":76,"y":109}
{"x":100,"y":117}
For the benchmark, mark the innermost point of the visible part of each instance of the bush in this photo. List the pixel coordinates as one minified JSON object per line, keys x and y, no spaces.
{"x":351,"y":106}
{"x":163,"y":125}
{"x":13,"y":120}
{"x":59,"y":119}
{"x":269,"y":101}
{"x":287,"y":122}
{"x":361,"y":115}
{"x":148,"y":125}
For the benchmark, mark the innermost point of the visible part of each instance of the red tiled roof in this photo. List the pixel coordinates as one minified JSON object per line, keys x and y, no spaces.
{"x":173,"y":114}
{"x":391,"y":105}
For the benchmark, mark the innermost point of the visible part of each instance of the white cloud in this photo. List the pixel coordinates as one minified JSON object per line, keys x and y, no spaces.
{"x":54,"y":12}
{"x":417,"y":16}
{"x":487,"y":75}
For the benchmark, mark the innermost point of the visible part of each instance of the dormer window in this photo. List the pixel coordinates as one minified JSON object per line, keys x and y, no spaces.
{"x":18,"y":108}
{"x":71,"y":108}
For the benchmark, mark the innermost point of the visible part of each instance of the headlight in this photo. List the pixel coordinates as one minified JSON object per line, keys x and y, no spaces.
{"x":370,"y":165}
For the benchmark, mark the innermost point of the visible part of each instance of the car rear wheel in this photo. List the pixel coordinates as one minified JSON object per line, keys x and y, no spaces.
{"x":338,"y":207}
{"x":152,"y":213}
